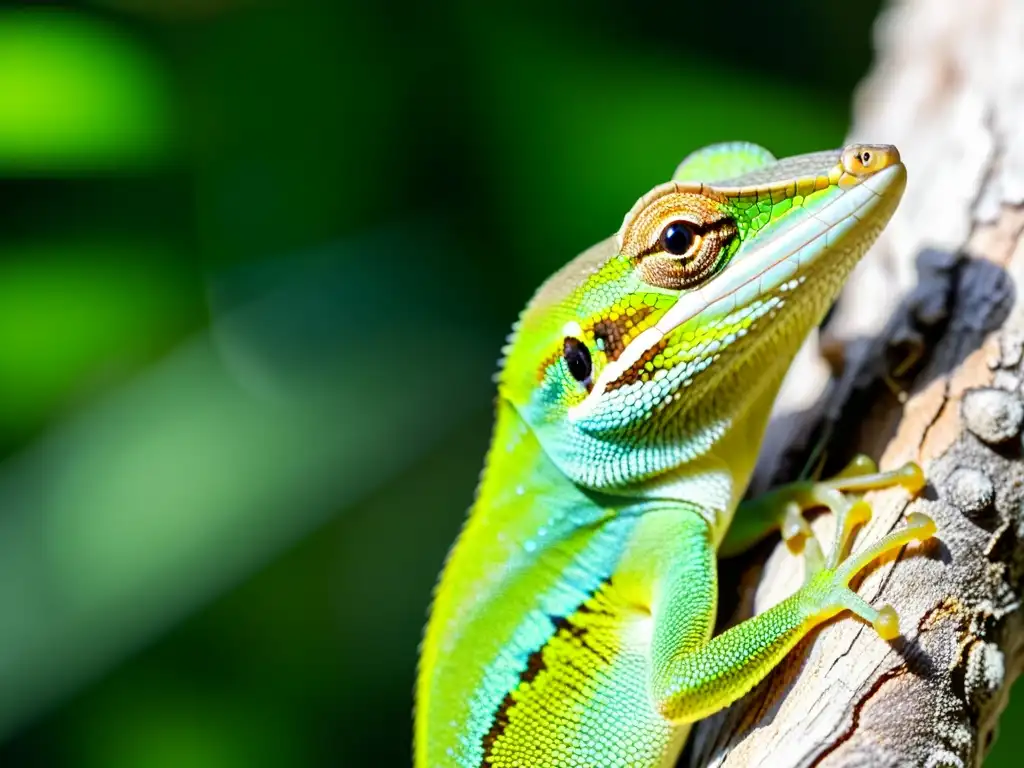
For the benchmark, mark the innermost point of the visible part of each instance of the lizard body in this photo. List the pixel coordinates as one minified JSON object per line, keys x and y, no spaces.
{"x":572,"y":625}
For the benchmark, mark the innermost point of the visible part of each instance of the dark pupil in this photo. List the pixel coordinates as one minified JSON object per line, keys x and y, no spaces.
{"x":577,"y":357}
{"x":677,"y":238}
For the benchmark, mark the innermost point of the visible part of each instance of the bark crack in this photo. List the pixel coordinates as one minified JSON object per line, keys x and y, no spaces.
{"x":858,"y":707}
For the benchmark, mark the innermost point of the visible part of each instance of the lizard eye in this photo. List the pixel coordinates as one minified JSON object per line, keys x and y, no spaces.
{"x":685,"y":255}
{"x":577,"y":359}
{"x":677,"y":238}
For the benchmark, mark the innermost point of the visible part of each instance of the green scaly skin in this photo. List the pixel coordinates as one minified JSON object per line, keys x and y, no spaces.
{"x":573,"y":622}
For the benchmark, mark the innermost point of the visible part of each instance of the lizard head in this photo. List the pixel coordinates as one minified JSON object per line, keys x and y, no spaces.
{"x":648,"y":349}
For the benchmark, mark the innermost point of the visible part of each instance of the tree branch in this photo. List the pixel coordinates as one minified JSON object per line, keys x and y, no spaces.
{"x":929,"y":342}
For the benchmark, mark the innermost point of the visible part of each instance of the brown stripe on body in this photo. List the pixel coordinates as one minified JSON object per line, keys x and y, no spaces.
{"x":593,"y":617}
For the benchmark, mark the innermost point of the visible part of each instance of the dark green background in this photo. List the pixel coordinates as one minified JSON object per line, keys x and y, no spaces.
{"x":256,"y":264}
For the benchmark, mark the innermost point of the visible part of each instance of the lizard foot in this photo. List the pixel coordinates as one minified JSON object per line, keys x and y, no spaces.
{"x":842,"y":495}
{"x":830,"y":591}
{"x":827,"y":578}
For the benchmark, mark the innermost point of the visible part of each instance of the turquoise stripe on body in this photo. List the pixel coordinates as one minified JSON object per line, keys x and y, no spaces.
{"x":577,"y":583}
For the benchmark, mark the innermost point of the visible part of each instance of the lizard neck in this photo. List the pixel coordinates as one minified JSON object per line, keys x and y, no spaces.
{"x":719,"y":433}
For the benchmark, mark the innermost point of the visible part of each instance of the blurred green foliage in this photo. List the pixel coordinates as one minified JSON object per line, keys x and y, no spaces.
{"x":78,"y":96}
{"x":258,"y":261}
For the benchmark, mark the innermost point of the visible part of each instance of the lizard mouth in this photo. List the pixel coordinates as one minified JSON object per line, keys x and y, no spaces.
{"x":804,"y":237}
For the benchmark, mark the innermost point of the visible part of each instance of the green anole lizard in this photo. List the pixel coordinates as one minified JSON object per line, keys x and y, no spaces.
{"x":573,"y":622}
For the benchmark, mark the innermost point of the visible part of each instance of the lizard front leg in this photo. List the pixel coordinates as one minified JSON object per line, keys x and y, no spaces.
{"x":694,"y":675}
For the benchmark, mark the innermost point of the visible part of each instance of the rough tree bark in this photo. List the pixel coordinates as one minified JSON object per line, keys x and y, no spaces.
{"x":928,"y":342}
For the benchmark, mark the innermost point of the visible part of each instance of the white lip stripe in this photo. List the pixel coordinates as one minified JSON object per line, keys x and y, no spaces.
{"x":788,"y":243}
